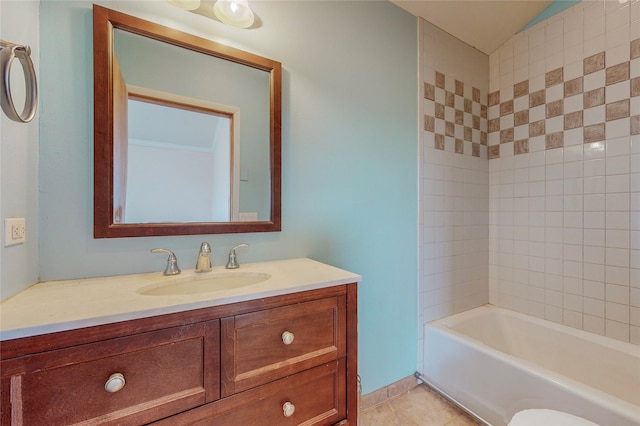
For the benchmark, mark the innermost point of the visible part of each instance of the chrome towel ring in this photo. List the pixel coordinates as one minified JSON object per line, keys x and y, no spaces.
{"x":8,"y":52}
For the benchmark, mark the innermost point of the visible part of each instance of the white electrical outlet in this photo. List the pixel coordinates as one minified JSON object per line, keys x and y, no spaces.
{"x":14,"y":231}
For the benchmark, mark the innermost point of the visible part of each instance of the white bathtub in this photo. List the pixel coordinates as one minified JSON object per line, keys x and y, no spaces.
{"x":495,"y":362}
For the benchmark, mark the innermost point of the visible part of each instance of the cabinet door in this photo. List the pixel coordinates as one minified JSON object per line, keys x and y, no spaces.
{"x":312,"y":397}
{"x":163,"y":372}
{"x":266,"y":345}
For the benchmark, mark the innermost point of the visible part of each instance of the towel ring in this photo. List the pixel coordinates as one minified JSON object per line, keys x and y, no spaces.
{"x":7,"y":54}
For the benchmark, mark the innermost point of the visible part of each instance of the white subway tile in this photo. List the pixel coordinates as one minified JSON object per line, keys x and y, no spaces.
{"x":594,"y":115}
{"x":554,"y":156}
{"x":554,"y":93}
{"x":617,"y":257}
{"x":553,"y":313}
{"x":617,"y":52}
{"x":573,"y":153}
{"x":574,"y":38}
{"x":594,"y":272}
{"x":554,"y":172}
{"x":574,"y":203}
{"x":573,"y":186}
{"x":634,"y":316}
{"x":634,"y":240}
{"x":617,"y":17}
{"x":537,"y":173}
{"x":616,"y":275}
{"x":594,"y":220}
{"x":573,"y":103}
{"x":617,"y":330}
{"x":618,"y":146}
{"x":595,"y":167}
{"x":554,"y":60}
{"x":573,"y":19}
{"x":617,"y":239}
{"x":572,"y":269}
{"x":634,"y":297}
{"x":635,"y":164}
{"x":595,"y":255}
{"x":635,"y":182}
{"x":573,"y":236}
{"x":617,"y":183}
{"x":619,"y":91}
{"x":572,"y":252}
{"x":617,"y":220}
{"x":594,"y":38}
{"x":594,"y":307}
{"x":618,"y":165}
{"x":617,"y":201}
{"x":593,"y":324}
{"x":618,"y":128}
{"x":616,"y":312}
{"x":572,"y":302}
{"x":594,"y":202}
{"x":634,"y":69}
{"x":595,"y":80}
{"x":635,"y":15}
{"x":594,"y":185}
{"x":634,"y":220}
{"x":594,"y":150}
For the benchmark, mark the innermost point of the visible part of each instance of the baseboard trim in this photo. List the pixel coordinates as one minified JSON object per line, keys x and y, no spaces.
{"x":388,"y":392}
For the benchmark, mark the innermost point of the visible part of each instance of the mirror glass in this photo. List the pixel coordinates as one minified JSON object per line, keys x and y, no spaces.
{"x":187,"y":133}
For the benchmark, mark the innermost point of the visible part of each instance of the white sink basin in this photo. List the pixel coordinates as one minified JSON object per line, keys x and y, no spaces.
{"x":208,"y":283}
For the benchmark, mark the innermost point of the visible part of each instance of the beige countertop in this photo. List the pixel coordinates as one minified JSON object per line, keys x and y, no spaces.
{"x":65,"y":305}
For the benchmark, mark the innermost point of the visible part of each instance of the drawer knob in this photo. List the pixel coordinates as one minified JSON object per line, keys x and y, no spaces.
{"x":288,"y":409}
{"x":114,"y":383}
{"x":287,"y":337}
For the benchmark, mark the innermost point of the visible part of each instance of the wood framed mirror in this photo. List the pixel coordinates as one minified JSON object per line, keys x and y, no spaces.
{"x":187,"y":133}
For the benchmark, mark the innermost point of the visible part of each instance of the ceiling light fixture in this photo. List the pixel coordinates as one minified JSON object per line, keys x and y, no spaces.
{"x":236,"y":13}
{"x":185,"y":4}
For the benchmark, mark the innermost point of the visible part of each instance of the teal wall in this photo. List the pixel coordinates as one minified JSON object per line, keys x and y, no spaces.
{"x":349,"y":156}
{"x":554,"y":8}
{"x":19,"y":155}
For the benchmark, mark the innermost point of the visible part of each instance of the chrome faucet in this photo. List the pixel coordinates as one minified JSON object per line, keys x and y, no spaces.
{"x":232,"y":263}
{"x":204,"y":258}
{"x":172,"y":262}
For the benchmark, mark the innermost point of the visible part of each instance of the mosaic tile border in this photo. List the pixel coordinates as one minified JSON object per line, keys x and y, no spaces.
{"x":457,"y":120}
{"x":563,"y":106}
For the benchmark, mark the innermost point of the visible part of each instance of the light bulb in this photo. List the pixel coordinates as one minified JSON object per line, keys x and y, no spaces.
{"x":236,"y":13}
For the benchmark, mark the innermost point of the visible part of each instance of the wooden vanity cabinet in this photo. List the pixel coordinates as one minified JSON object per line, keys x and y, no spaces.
{"x":163,"y":373}
{"x":284,"y":360}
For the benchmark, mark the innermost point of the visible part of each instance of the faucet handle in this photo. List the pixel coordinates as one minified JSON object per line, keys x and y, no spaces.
{"x":172,"y":262}
{"x":233,"y":263}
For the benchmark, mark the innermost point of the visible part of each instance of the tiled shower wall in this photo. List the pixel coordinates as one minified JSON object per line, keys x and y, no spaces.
{"x":454,"y":180}
{"x":564,"y":161}
{"x":530,"y":193}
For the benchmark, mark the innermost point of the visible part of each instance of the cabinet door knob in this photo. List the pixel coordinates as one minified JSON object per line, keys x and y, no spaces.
{"x":287,"y":337}
{"x":114,"y":383}
{"x":288,"y":409}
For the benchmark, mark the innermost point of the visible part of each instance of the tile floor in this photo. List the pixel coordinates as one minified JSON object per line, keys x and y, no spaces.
{"x":419,"y":406}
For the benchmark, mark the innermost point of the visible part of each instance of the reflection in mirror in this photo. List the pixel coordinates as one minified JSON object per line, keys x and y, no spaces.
{"x":178,"y":148}
{"x":187,"y":133}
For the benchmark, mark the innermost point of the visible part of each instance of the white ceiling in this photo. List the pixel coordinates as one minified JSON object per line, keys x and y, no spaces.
{"x":483,"y":24}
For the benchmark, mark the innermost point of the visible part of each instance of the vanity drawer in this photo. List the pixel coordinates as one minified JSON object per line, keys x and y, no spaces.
{"x":262,"y":346}
{"x":164,"y":373}
{"x":313,"y":397}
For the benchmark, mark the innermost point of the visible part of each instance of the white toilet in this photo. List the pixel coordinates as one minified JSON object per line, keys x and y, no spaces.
{"x":543,"y":417}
